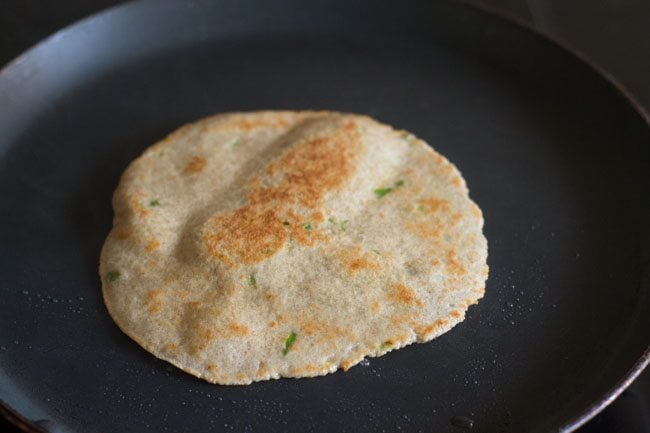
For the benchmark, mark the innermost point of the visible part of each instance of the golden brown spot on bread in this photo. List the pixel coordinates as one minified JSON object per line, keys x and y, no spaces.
{"x":195,"y":165}
{"x":428,"y":329}
{"x":248,"y":124}
{"x":135,"y":203}
{"x":325,"y":330}
{"x":238,"y":329}
{"x":456,"y":314}
{"x":153,"y":302}
{"x":374,"y":307}
{"x":201,"y":339}
{"x":171,"y":347}
{"x":355,"y":260}
{"x":211,"y":367}
{"x":400,"y":319}
{"x":454,"y":266}
{"x":403,"y":294}
{"x":122,"y":234}
{"x":432,"y":204}
{"x":308,"y":170}
{"x":152,"y":245}
{"x":455,"y":218}
{"x":247,"y":235}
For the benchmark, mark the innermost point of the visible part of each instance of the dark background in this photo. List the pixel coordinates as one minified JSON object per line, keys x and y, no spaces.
{"x":614,"y":34}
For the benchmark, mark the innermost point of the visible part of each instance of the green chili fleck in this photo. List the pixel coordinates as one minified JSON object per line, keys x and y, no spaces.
{"x":420,"y":208}
{"x":234,"y":142}
{"x":376,"y":252}
{"x":307,"y":226}
{"x":291,"y":339}
{"x":154,"y":202}
{"x":251,"y":281}
{"x":112,"y":276}
{"x":331,"y":220}
{"x":399,"y":183}
{"x":344,"y":224}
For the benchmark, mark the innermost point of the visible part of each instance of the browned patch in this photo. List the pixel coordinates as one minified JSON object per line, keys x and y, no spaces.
{"x":428,"y":329}
{"x":346,"y":365}
{"x":248,"y":124}
{"x":374,"y":307}
{"x":270,"y":296}
{"x":152,"y":245}
{"x":195,"y":165}
{"x":400,"y":319}
{"x":201,"y":339}
{"x":135,"y":203}
{"x":457,"y":182}
{"x":454,"y":266}
{"x":273,"y":324}
{"x":122,"y":234}
{"x":171,"y":347}
{"x":432,"y":204}
{"x":355,"y":260}
{"x":403,"y":294}
{"x":304,"y":174}
{"x":456,"y":314}
{"x":153,"y":301}
{"x":238,"y":330}
{"x":211,"y":367}
{"x":323,"y":331}
{"x":247,"y":235}
{"x":455,"y":218}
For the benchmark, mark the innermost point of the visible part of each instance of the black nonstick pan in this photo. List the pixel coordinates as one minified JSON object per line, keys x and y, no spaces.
{"x":555,"y":155}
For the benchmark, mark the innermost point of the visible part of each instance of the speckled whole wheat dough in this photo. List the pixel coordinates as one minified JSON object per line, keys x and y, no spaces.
{"x":240,"y":230}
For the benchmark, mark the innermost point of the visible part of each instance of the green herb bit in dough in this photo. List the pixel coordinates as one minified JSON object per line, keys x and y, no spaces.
{"x":307,"y":226}
{"x":112,"y":276}
{"x":385,"y":345}
{"x":344,"y":224}
{"x":154,"y":202}
{"x":331,"y":220}
{"x":376,"y":252}
{"x":251,"y":281}
{"x":380,"y":192}
{"x":289,"y":342}
{"x":420,"y":208}
{"x":234,"y":142}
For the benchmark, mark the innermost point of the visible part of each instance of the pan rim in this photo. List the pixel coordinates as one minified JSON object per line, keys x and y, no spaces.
{"x":575,"y":422}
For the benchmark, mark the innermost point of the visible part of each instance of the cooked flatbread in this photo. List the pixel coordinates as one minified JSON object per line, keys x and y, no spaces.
{"x":251,"y":246}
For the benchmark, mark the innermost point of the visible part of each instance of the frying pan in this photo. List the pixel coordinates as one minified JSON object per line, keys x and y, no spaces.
{"x":556,"y":156}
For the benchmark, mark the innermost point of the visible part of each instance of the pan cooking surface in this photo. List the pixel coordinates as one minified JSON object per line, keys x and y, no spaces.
{"x":556,"y":158}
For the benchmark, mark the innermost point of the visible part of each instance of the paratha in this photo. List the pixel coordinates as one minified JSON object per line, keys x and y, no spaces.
{"x":251,"y":246}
